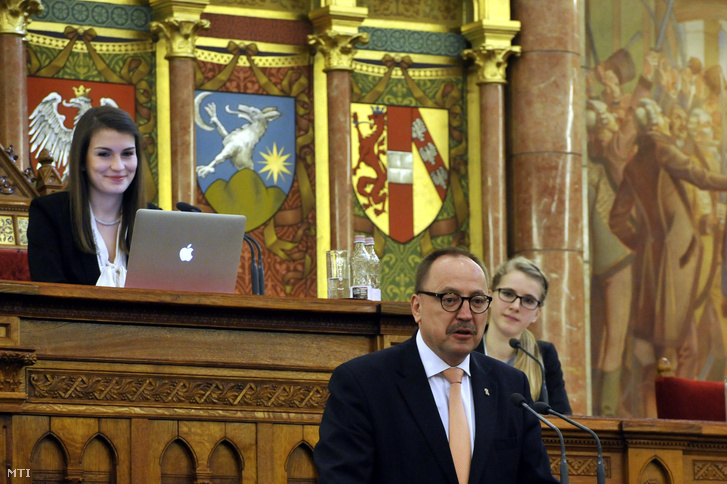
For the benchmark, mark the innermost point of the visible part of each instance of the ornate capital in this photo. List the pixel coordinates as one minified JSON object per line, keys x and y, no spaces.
{"x":15,"y":15}
{"x":337,"y":48}
{"x":491,"y":62}
{"x":181,"y":35}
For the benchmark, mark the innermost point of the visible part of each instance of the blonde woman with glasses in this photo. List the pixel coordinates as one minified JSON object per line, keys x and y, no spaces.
{"x":519,"y":289}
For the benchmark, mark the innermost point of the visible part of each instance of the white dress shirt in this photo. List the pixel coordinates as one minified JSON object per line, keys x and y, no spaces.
{"x":434,"y":366}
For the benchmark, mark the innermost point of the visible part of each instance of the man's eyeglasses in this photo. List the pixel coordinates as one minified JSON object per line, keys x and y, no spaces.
{"x":451,"y":302}
{"x":509,"y":296}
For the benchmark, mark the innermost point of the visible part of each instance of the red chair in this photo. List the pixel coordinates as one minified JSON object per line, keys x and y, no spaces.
{"x":681,"y":398}
{"x":14,"y":265}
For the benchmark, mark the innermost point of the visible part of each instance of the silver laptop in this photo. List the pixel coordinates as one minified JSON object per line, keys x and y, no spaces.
{"x":185,"y":251}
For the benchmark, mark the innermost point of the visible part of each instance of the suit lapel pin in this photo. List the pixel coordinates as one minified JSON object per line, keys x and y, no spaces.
{"x":487,"y":392}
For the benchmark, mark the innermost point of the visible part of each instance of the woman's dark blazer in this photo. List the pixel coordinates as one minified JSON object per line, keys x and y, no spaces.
{"x":52,"y":253}
{"x":557,"y":396}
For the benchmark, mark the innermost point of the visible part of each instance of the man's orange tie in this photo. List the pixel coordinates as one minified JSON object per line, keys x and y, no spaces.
{"x":459,"y":430}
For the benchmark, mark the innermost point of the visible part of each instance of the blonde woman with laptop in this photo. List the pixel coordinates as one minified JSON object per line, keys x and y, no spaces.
{"x":82,"y":235}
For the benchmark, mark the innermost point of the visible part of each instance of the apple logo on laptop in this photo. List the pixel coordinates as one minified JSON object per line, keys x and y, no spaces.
{"x":185,"y":254}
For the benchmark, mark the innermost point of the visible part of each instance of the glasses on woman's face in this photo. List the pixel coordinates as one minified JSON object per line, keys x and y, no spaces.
{"x":451,"y":302}
{"x":509,"y":296}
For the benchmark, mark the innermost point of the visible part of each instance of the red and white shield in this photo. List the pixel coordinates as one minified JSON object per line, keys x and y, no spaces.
{"x":400,"y":166}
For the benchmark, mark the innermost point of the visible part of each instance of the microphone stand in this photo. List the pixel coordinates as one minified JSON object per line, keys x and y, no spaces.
{"x":515,"y":343}
{"x":519,"y":401}
{"x":544,"y":408}
{"x":260,"y":270}
{"x":253,"y":267}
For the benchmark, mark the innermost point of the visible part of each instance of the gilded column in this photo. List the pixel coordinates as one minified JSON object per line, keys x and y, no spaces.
{"x":548,"y":199}
{"x":14,"y":20}
{"x":179,"y":23}
{"x":492,"y":47}
{"x":336,"y":36}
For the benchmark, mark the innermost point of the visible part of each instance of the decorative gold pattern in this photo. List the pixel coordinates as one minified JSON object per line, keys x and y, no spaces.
{"x":173,"y":390}
{"x":264,"y":62}
{"x":15,"y":15}
{"x":22,"y":230}
{"x":396,"y":73}
{"x":181,"y":35}
{"x":338,"y":49}
{"x":709,"y":470}
{"x":100,"y":47}
{"x":491,"y":62}
{"x":7,"y":231}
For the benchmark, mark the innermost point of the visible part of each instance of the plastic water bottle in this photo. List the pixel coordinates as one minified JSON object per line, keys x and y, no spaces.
{"x":360,"y":288}
{"x":374,"y":270}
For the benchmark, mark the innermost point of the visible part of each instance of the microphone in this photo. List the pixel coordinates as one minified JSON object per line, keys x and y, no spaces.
{"x":545,"y":409}
{"x":254,"y":278}
{"x":260,"y":270}
{"x":187,"y":207}
{"x":515,"y":343}
{"x":519,"y":401}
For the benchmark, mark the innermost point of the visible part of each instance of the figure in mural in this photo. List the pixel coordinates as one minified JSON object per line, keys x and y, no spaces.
{"x":238,"y":144}
{"x":652,"y":215}
{"x":709,"y":216}
{"x":612,"y":135}
{"x":47,"y":128}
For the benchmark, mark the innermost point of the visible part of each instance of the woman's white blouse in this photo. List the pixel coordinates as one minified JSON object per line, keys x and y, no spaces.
{"x":113,"y":274}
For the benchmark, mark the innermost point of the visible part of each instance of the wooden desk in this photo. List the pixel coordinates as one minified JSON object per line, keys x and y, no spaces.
{"x":146,"y":384}
{"x":642,"y":451}
{"x":139,"y":387}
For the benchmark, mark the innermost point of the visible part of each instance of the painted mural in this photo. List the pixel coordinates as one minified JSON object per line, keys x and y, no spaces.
{"x":657,"y":169}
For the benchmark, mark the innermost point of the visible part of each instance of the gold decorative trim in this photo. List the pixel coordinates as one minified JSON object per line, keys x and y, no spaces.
{"x":15,"y":15}
{"x":491,"y":62}
{"x":282,"y":61}
{"x":57,"y":386}
{"x":337,"y":48}
{"x":40,"y":26}
{"x":337,"y":18}
{"x":100,"y":47}
{"x":431,"y":73}
{"x":181,"y":35}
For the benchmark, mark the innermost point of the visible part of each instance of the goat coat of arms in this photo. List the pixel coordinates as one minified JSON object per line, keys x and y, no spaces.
{"x":245,"y":152}
{"x":400,"y":170}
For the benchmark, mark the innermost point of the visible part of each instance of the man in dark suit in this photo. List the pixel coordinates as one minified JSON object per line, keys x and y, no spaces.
{"x":386,"y":420}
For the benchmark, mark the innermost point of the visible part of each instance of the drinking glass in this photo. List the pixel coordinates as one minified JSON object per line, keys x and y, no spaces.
{"x":338,"y":274}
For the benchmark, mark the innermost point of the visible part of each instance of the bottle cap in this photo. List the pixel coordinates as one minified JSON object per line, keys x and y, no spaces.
{"x":369,"y":241}
{"x":358,"y":238}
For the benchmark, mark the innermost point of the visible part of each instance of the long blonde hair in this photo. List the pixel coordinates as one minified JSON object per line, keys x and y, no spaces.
{"x":527,"y":339}
{"x":528,"y":366}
